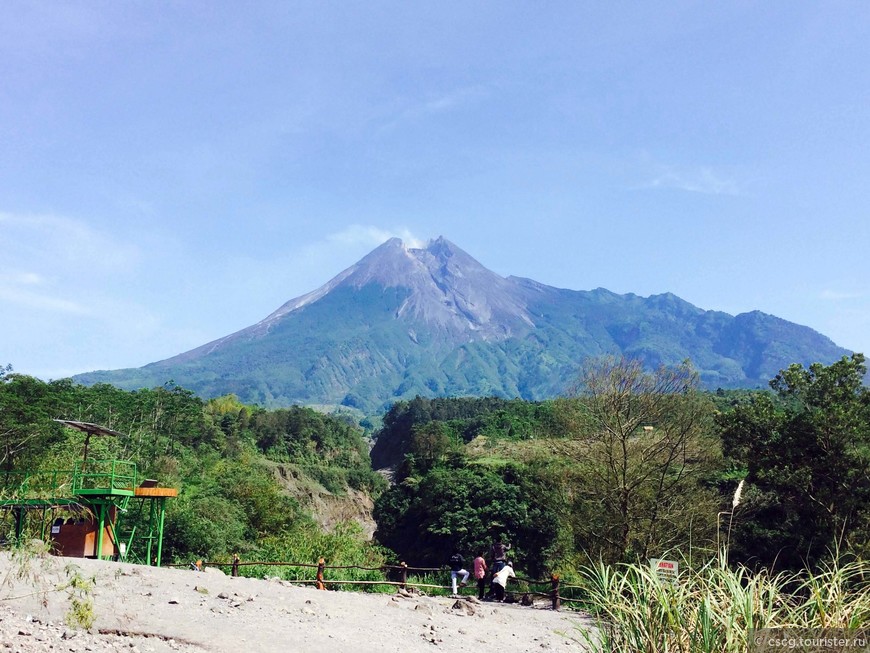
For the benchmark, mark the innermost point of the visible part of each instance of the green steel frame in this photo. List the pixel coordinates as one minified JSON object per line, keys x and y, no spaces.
{"x":114,"y":478}
{"x":96,"y":486}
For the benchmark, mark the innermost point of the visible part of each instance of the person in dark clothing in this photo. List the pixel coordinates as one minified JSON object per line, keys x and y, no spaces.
{"x":498,"y":553}
{"x":457,"y":568}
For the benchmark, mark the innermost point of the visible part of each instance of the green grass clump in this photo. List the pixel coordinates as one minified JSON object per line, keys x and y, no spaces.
{"x":716,"y":607}
{"x":80,"y":593}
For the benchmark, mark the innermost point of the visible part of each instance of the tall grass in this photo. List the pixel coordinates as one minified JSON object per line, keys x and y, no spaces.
{"x":716,"y":607}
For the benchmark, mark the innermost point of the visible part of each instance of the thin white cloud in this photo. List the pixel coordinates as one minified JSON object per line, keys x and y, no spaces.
{"x":40,"y":301}
{"x":453,"y":100}
{"x":51,"y":240}
{"x":408,"y":110}
{"x":51,"y":260}
{"x":703,"y":180}
{"x":839,"y":295}
{"x":307,"y":266}
{"x":370,"y":236}
{"x":111,"y":334}
{"x":21,"y":278}
{"x":32,"y":290}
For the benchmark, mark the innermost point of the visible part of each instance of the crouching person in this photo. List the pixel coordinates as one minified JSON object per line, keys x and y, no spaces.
{"x":500,"y":579}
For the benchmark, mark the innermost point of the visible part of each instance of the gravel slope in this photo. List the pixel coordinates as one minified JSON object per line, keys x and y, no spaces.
{"x":144,"y":609}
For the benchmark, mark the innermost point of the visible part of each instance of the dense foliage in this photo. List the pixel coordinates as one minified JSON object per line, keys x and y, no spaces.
{"x":632,"y":464}
{"x":465,"y":508}
{"x":445,"y":499}
{"x":624,"y":470}
{"x":221,"y":454}
{"x":806,"y":447}
{"x":635,"y":465}
{"x":461,"y":419}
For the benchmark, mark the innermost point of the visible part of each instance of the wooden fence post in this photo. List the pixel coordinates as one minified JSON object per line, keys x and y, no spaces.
{"x":404,"y":574}
{"x":320,"y":565}
{"x":554,"y":588}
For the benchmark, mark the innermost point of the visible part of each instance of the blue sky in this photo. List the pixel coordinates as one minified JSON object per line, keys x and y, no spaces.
{"x":171,"y":172}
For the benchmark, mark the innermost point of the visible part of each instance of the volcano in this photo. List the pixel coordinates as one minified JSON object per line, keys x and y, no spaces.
{"x":433,"y":321}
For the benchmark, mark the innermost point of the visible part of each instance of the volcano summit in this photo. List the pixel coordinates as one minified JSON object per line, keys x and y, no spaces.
{"x":433,"y":321}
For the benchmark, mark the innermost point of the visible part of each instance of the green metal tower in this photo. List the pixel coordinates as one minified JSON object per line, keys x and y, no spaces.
{"x":97,"y":498}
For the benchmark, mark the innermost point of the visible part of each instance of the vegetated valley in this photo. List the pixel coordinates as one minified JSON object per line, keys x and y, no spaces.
{"x":633,"y":464}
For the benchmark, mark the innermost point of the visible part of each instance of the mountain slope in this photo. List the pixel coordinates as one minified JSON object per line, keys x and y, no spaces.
{"x":434,"y":321}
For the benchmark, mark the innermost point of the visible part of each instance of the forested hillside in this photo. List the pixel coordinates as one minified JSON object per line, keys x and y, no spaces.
{"x":226,"y":458}
{"x":634,"y":464}
{"x":593,"y":476}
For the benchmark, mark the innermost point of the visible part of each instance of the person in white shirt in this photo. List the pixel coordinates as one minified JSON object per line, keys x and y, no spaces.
{"x":500,"y":579}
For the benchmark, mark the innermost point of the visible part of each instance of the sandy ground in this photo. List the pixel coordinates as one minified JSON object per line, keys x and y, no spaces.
{"x":143,"y":609}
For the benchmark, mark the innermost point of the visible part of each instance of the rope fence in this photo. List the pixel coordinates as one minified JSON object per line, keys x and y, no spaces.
{"x":401,"y":570}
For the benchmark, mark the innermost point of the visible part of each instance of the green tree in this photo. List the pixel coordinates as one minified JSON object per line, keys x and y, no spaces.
{"x":643,"y":444}
{"x":430,"y":444}
{"x":807,"y":450}
{"x":424,"y":519}
{"x":27,"y":406}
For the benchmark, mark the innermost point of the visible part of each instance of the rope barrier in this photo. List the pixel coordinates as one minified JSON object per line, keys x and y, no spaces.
{"x":272,"y":563}
{"x":368,"y":582}
{"x":534,"y":582}
{"x":320,"y":582}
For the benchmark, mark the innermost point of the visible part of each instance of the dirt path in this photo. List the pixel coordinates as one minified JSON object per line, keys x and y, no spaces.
{"x":143,"y":609}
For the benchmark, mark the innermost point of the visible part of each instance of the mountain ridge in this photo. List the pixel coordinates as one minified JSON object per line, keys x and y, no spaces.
{"x":434,"y":321}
